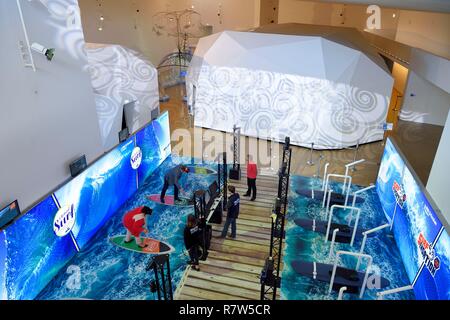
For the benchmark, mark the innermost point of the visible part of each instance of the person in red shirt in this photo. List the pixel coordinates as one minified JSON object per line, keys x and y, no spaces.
{"x":252,"y":172}
{"x":135,"y":222}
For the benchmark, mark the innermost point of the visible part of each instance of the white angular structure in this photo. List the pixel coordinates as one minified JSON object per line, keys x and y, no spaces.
{"x":121,"y":76}
{"x":315,"y":84}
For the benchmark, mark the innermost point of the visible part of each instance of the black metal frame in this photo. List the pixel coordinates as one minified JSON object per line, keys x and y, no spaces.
{"x":236,"y":149}
{"x":270,"y":275}
{"x":222,"y":179}
{"x":160,"y":265}
{"x":201,"y":216}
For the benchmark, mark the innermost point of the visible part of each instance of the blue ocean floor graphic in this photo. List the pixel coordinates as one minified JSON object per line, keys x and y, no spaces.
{"x":102,"y":271}
{"x":307,"y":245}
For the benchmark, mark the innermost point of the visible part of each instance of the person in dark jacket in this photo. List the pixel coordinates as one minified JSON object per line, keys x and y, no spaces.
{"x":171,"y":178}
{"x":233,"y":212}
{"x":192,"y":240}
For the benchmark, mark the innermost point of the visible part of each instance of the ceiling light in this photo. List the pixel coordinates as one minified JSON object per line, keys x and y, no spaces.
{"x":102,"y":18}
{"x":393,"y":16}
{"x":100,"y":28}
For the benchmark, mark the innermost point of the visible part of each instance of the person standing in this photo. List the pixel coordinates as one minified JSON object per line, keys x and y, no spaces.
{"x":192,"y":240}
{"x":232,"y":212}
{"x":171,"y":178}
{"x":252,"y":172}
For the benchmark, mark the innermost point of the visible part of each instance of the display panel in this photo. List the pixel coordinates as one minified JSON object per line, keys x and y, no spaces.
{"x":433,"y":282}
{"x":415,"y":222}
{"x":33,"y":253}
{"x":99,"y":191}
{"x":9,"y":213}
{"x":46,"y":238}
{"x":154,"y":142}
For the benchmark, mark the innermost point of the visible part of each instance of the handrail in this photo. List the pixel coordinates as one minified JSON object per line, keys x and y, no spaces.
{"x":381,"y":294}
{"x":365,"y":234}
{"x":327,"y":209}
{"x":343,"y":189}
{"x":325,"y":175}
{"x":355,"y":227}
{"x":354,"y":199}
{"x":352,"y":164}
{"x":341,"y":292}
{"x":354,"y":254}
{"x":333,"y":240}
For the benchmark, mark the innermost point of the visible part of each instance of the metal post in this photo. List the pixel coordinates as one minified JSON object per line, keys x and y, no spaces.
{"x":333,"y":239}
{"x":355,"y":156}
{"x":341,"y":292}
{"x":310,"y":162}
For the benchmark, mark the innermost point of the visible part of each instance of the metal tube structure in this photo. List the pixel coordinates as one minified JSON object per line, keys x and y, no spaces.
{"x":325,"y":172}
{"x":380,"y":295}
{"x":311,"y":161}
{"x":337,"y":176}
{"x":366,"y":233}
{"x":354,"y":254}
{"x":355,"y":227}
{"x":341,"y":292}
{"x":333,"y":240}
{"x":352,"y":164}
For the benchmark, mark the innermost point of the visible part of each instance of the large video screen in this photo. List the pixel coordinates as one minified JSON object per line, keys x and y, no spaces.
{"x":46,"y":238}
{"x":415,"y":223}
{"x":433,"y":282}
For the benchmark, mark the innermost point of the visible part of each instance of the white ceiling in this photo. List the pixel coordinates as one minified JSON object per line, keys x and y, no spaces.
{"x":421,"y":5}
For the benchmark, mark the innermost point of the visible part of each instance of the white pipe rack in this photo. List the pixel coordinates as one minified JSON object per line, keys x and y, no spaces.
{"x":343,"y":189}
{"x":355,"y":227}
{"x":380,"y":295}
{"x":354,"y":199}
{"x":366,"y":233}
{"x":354,"y":254}
{"x":27,"y":40}
{"x":352,"y":164}
{"x":327,"y":209}
{"x":325,"y":172}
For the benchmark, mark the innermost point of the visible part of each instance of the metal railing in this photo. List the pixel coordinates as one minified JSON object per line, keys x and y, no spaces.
{"x":344,"y":191}
{"x":381,"y":294}
{"x":354,"y":254}
{"x":355,"y":227}
{"x":365,"y":234}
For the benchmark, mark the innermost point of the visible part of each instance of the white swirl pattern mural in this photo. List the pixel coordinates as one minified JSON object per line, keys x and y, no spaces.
{"x":328,"y":112}
{"x":119,"y":76}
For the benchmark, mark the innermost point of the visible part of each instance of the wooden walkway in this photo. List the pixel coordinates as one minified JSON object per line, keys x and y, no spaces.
{"x":232,"y":269}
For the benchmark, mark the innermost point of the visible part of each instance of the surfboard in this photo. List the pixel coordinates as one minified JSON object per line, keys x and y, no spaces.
{"x":343,"y":236}
{"x":200,"y":170}
{"x":170,"y":201}
{"x":344,"y":277}
{"x":153,"y":246}
{"x":336,"y":198}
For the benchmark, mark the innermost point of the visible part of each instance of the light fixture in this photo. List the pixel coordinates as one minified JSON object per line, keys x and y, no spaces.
{"x":100,"y":28}
{"x":102,"y":18}
{"x":394,"y":15}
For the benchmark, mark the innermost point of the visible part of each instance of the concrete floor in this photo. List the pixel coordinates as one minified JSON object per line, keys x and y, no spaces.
{"x":418,"y":142}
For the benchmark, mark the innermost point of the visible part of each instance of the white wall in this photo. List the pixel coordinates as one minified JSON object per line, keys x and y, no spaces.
{"x":426,"y":30}
{"x":125,"y":26}
{"x":48,"y":116}
{"x":424,"y":102}
{"x":335,"y":14}
{"x":439,"y":178}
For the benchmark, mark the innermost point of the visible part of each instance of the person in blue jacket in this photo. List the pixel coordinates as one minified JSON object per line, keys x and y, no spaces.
{"x":233,"y":212}
{"x":171,"y":178}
